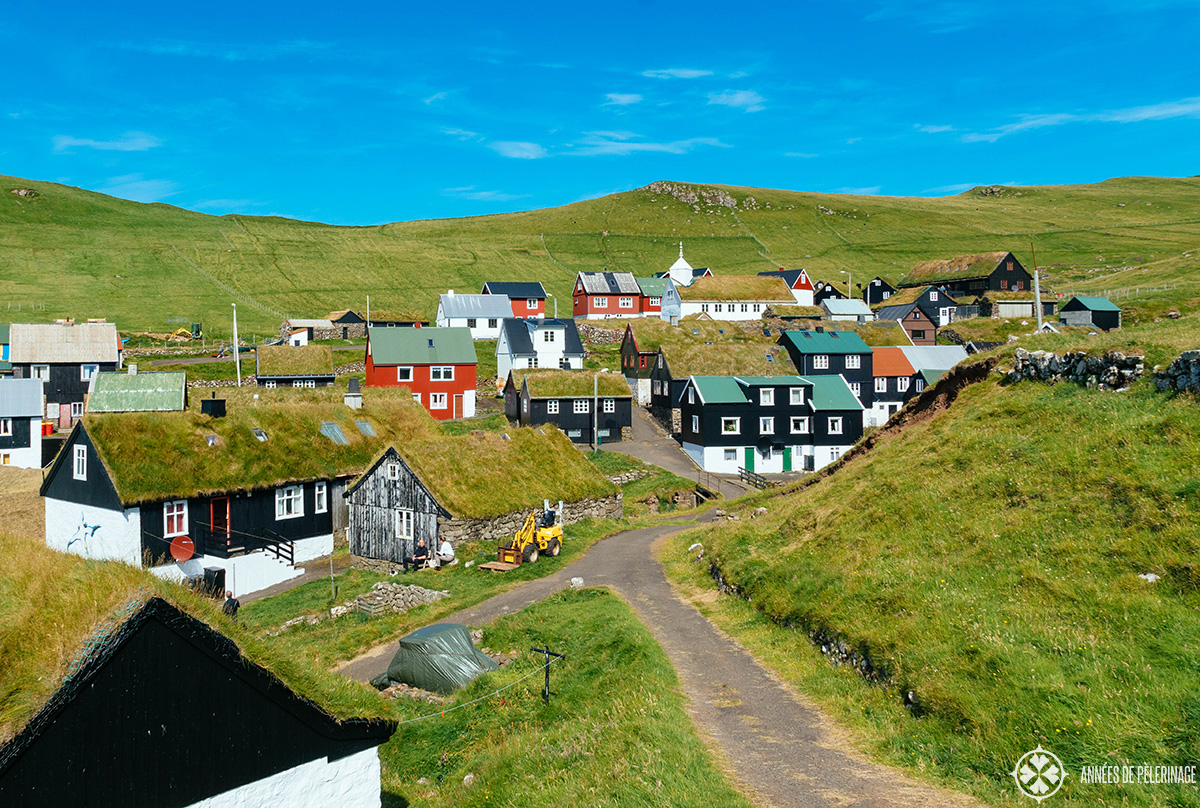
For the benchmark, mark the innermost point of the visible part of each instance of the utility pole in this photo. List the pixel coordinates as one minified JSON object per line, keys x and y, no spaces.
{"x":548,"y":653}
{"x":237,"y":354}
{"x":596,"y":411}
{"x":1037,"y":289}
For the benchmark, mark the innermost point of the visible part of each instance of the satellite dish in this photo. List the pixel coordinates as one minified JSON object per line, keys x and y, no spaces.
{"x":764,"y":444}
{"x":182,"y":548}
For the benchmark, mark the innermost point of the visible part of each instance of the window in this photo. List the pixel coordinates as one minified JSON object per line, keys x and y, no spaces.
{"x":902,"y":384}
{"x":918,"y":333}
{"x":880,"y":384}
{"x":856,"y":389}
{"x":766,"y":397}
{"x":393,"y":471}
{"x":656,"y":301}
{"x":5,"y":459}
{"x":437,"y":401}
{"x":76,"y":409}
{"x":600,"y":303}
{"x":717,"y":307}
{"x":260,"y":435}
{"x":270,"y":385}
{"x":548,"y":336}
{"x":1017,"y":285}
{"x":574,"y":433}
{"x":920,"y":385}
{"x":289,"y":502}
{"x":531,"y":303}
{"x":1010,"y":268}
{"x":625,"y":302}
{"x":581,"y":406}
{"x":41,"y":372}
{"x":304,"y":383}
{"x":493,"y":323}
{"x":417,"y":397}
{"x":797,"y":395}
{"x":404,"y":524}
{"x":853,"y":361}
{"x":404,"y":374}
{"x":731,"y":454}
{"x":821,"y":362}
{"x":610,"y":405}
{"x":703,"y":307}
{"x":933,"y":297}
{"x":1004,"y":283}
{"x":731,"y":426}
{"x":835,"y":426}
{"x":80,"y":462}
{"x":86,"y":372}
{"x":175,"y":518}
{"x":691,"y":395}
{"x":532,"y":361}
{"x":524,"y":405}
{"x":696,"y":424}
{"x":442,"y":374}
{"x":757,"y":307}
{"x":766,"y":426}
{"x":321,"y":497}
{"x":886,"y":295}
{"x":552,"y":407}
{"x":800,"y":425}
{"x":472,"y":322}
{"x":5,"y":426}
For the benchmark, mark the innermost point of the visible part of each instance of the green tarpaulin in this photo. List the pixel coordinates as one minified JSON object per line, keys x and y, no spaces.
{"x":440,"y":658}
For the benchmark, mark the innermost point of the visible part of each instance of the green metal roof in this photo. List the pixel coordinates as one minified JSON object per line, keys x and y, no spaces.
{"x":142,"y":392}
{"x":720,"y":390}
{"x":652,"y":287}
{"x":422,"y":346}
{"x":818,"y":342}
{"x":931,"y":376}
{"x":831,"y":393}
{"x":768,"y":381}
{"x":1097,"y":303}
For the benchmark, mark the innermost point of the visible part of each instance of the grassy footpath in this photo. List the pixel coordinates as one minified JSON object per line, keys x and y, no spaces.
{"x":659,"y":483}
{"x":987,"y":562}
{"x":614,"y":734}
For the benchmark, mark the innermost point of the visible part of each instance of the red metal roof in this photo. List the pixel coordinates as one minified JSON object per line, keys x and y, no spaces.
{"x":890,"y":362}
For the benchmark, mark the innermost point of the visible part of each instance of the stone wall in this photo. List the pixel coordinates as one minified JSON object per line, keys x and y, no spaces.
{"x":1113,"y":371}
{"x":1183,"y":374}
{"x":458,"y":530}
{"x":385,"y":597}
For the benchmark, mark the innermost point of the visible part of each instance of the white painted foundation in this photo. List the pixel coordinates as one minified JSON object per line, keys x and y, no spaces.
{"x":92,"y":532}
{"x":351,"y":782}
{"x":252,"y":572}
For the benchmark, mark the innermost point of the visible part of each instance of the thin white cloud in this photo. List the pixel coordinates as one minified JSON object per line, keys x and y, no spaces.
{"x":868,"y":191}
{"x":130,"y":141}
{"x":853,"y":140}
{"x":227,"y":205}
{"x":139,"y":189}
{"x":1182,"y":108}
{"x":934,"y":129}
{"x":957,"y":188}
{"x":676,"y":73}
{"x":226,"y":52}
{"x":624,"y":143}
{"x":518,"y":149}
{"x":801,"y":155}
{"x":622,"y":99}
{"x":462,"y":134}
{"x":435,"y":97}
{"x":474,"y":194}
{"x":747,"y":100}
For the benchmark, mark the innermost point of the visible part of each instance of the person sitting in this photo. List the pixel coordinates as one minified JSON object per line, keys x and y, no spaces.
{"x":419,"y":558}
{"x":231,"y":604}
{"x":445,"y":555}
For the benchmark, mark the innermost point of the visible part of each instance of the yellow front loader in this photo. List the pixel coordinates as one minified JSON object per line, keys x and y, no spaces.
{"x":537,"y":537}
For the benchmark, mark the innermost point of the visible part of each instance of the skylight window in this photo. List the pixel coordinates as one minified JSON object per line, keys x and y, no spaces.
{"x":260,"y":434}
{"x":365,"y":428}
{"x":695,"y":332}
{"x":766,"y":332}
{"x":770,"y":358}
{"x":211,"y":440}
{"x":334,"y":432}
{"x":720,"y":330}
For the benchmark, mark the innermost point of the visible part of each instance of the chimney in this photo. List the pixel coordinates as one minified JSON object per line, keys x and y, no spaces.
{"x":133,"y":369}
{"x":213,"y":407}
{"x":820,"y":329}
{"x":449,"y":293}
{"x":353,"y":396}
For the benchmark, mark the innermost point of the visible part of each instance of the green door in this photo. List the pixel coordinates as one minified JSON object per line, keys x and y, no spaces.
{"x":749,"y":458}
{"x":787,"y":458}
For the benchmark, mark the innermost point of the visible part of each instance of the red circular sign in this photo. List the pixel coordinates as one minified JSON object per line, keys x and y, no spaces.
{"x":182,"y":548}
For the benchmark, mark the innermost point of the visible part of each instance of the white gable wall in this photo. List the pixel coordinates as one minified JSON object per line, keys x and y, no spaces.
{"x":28,"y":457}
{"x":349,"y":782}
{"x":96,"y":533}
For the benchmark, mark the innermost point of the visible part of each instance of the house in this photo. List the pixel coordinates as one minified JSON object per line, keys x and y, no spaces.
{"x":894,"y":376}
{"x":394,"y":319}
{"x":297,"y":338}
{"x":538,"y":344}
{"x":287,"y":366}
{"x":21,"y":409}
{"x":979,"y":346}
{"x":480,"y":314}
{"x":682,"y":273}
{"x":527,"y":298}
{"x":437,"y":365}
{"x":1014,"y":305}
{"x":929,"y":362}
{"x":136,"y":391}
{"x":243,"y":497}
{"x":741,"y":297}
{"x":798,"y":282}
{"x":824,"y":291}
{"x":349,"y":324}
{"x":877,"y":291}
{"x":101,"y":715}
{"x":1098,"y":311}
{"x":573,"y":402}
{"x":768,"y":424}
{"x":972,"y":275}
{"x":390,"y":510}
{"x":826,"y":353}
{"x":937,"y":306}
{"x":637,"y":362}
{"x":603,"y":295}
{"x":65,"y":356}
{"x":653,"y":290}
{"x":312,"y":329}
{"x":913,"y":319}
{"x":838,"y":309}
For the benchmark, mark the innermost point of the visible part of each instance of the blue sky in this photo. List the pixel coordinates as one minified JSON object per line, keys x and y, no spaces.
{"x":391,"y":111}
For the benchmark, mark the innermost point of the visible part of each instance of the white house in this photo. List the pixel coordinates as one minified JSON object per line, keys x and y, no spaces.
{"x":21,"y":423}
{"x":840,"y":309}
{"x":482,"y":314}
{"x":538,"y":344}
{"x":798,"y":282}
{"x":742,"y":297}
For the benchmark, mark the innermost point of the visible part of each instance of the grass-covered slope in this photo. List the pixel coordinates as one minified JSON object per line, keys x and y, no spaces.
{"x":80,"y":253}
{"x":987,"y":561}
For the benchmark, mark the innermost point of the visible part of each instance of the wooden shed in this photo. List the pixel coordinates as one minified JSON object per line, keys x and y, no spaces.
{"x":390,"y":510}
{"x":1098,"y":311}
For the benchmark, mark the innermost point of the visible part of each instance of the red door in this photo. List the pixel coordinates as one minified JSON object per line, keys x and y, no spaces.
{"x":218,"y":519}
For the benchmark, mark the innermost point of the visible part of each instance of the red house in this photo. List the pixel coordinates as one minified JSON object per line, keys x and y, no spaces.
{"x":601,"y":295}
{"x":437,"y":364}
{"x":528,"y":298}
{"x":799,"y":282}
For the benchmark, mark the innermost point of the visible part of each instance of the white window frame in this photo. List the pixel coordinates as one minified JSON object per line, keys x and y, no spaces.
{"x":797,"y":395}
{"x":79,"y":466}
{"x":610,"y":405}
{"x":757,"y":308}
{"x":493,"y":322}
{"x":717,"y":307}
{"x":766,"y":425}
{"x":531,"y":303}
{"x":799,"y":424}
{"x":727,"y":422}
{"x":41,"y":372}
{"x":696,"y":424}
{"x":404,"y":373}
{"x":766,"y":397}
{"x":552,"y":407}
{"x":902,"y":384}
{"x":730,"y":455}
{"x":321,"y":497}
{"x":881,"y":384}
{"x":437,"y":401}
{"x":581,"y":406}
{"x":821,"y":362}
{"x":441,"y":373}
{"x":835,"y":424}
{"x":625,"y":302}
{"x":574,"y":433}
{"x":933,"y":297}
{"x":405,"y":521}
{"x":290,"y":496}
{"x":599,"y":302}
{"x":691,"y":395}
{"x":525,"y":405}
{"x":269,"y":384}
{"x":393,"y":471}
{"x":6,"y":427}
{"x":175,"y":508}
{"x":548,"y":335}
{"x":920,"y":386}
{"x":856,"y":389}
{"x":655,"y":301}
{"x":76,"y":409}
{"x":853,"y":361}
{"x":886,"y":295}
{"x":88,"y":372}
{"x":417,"y":397}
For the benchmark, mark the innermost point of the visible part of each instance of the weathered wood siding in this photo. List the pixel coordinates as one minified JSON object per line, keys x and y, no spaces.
{"x":374,"y":503}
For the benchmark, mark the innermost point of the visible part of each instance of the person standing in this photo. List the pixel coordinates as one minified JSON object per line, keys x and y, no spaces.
{"x":232,"y":604}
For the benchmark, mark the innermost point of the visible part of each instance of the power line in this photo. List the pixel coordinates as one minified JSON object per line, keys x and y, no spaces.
{"x":442,"y":713}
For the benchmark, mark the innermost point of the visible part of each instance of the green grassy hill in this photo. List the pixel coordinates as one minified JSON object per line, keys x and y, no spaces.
{"x":70,"y":252}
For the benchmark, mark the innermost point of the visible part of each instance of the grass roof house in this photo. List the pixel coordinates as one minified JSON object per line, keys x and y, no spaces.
{"x":294,"y":366}
{"x":586,"y":406}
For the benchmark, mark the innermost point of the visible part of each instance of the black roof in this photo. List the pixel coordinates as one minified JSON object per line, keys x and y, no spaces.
{"x":789,"y":275}
{"x":896,"y":312}
{"x":518,"y":289}
{"x":519,"y":333}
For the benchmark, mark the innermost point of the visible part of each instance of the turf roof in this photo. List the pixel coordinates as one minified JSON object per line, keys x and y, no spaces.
{"x":727,"y":359}
{"x":290,"y":360}
{"x":964,"y":266}
{"x":653,"y":332}
{"x":570,"y":383}
{"x":738,"y":287}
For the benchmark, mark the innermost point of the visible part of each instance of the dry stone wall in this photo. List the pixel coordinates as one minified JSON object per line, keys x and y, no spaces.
{"x":1113,"y":371}
{"x":458,"y":530}
{"x":1183,"y":374}
{"x":385,"y":597}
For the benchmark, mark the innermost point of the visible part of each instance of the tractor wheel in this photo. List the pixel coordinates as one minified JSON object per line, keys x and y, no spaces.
{"x":530,"y":554}
{"x":554,"y":548}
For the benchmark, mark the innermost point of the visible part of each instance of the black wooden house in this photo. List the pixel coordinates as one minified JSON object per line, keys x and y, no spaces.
{"x":575,"y":402}
{"x":877,"y":291}
{"x":66,"y":356}
{"x":390,"y":510}
{"x":841,"y":353}
{"x":972,"y":275}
